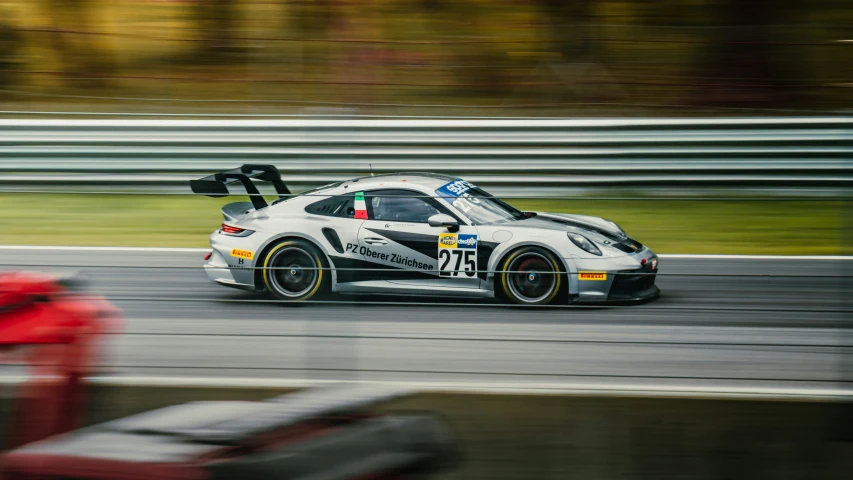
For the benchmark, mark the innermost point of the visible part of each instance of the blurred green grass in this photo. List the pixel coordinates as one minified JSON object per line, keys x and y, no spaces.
{"x":761,"y":226}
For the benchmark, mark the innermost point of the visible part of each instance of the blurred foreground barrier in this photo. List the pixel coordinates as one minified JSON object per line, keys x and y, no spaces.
{"x":591,"y":437}
{"x":325,"y":433}
{"x":523,"y":153}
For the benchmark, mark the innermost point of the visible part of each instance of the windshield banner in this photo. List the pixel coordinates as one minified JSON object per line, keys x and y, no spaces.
{"x":454,"y":190}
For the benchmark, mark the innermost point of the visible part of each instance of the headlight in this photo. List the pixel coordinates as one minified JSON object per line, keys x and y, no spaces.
{"x":583,"y":243}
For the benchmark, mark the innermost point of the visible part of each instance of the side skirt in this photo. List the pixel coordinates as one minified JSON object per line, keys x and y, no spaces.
{"x":381,"y":287}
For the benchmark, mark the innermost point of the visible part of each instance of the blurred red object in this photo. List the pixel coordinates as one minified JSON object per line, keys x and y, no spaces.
{"x":314,"y":433}
{"x":54,"y":328}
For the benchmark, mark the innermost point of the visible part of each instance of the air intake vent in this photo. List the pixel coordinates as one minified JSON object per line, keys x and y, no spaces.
{"x":334,"y":240}
{"x":628,"y":245}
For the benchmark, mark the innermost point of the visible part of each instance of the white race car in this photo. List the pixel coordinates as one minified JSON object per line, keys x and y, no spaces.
{"x":417,"y":234}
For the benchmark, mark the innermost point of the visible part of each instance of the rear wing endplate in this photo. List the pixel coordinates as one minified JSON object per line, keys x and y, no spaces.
{"x":216,"y":185}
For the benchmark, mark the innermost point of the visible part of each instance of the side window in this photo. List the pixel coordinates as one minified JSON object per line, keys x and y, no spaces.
{"x":342,"y":206}
{"x":402,"y":206}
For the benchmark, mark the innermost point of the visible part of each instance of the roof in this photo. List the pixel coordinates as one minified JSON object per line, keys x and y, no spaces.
{"x":424,"y":180}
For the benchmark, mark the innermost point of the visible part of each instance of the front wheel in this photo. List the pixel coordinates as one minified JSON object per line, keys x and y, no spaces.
{"x":293,"y":270}
{"x":530,"y":276}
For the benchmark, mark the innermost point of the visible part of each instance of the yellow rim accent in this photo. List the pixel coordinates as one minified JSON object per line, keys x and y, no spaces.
{"x":267,"y":271}
{"x":504,"y":273}
{"x":504,"y":276}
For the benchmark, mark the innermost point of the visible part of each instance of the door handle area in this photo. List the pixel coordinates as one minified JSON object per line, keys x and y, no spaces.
{"x":375,"y":241}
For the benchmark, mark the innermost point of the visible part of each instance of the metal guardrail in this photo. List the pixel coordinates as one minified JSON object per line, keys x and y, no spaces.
{"x":524,"y":153}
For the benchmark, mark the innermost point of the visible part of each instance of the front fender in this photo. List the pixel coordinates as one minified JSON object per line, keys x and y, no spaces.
{"x":504,"y":248}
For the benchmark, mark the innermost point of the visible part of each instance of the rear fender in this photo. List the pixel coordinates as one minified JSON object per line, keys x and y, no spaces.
{"x":272,"y":241}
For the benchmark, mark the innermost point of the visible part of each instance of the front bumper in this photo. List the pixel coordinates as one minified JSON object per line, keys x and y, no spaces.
{"x":633,"y":286}
{"x":619,"y":279}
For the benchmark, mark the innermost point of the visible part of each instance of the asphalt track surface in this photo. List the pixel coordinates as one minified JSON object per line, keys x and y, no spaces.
{"x":720,"y":323}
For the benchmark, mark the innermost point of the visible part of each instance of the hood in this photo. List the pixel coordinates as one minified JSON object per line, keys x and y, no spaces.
{"x":596,"y":227}
{"x":608,"y":237}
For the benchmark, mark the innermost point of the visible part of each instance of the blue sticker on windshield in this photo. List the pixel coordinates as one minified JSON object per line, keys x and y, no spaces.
{"x":454,"y":189}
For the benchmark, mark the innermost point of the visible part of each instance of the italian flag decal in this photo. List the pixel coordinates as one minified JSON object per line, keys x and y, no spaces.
{"x":360,"y":206}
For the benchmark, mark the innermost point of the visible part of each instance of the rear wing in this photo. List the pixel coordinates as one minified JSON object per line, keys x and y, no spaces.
{"x":216,"y":185}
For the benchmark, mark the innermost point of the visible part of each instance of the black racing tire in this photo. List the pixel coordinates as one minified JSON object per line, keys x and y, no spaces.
{"x":295,"y":270}
{"x":531,"y":276}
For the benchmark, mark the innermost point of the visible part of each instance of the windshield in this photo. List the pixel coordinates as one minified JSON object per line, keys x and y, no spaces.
{"x":479,"y":206}
{"x":313,"y":191}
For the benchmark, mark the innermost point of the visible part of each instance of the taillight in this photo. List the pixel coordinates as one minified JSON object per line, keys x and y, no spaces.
{"x":235,"y":231}
{"x":230,"y":229}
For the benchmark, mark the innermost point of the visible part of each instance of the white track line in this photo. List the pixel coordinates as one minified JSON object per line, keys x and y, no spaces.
{"x":102,"y":249}
{"x":198,"y":250}
{"x":758,"y":257}
{"x":659,"y":391}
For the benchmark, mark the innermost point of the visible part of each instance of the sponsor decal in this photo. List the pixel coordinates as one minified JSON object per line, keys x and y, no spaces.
{"x":390,"y":257}
{"x":457,"y":255}
{"x":467,"y":241}
{"x":592,"y":275}
{"x":236,"y":252}
{"x":360,"y":206}
{"x":410,"y":262}
{"x":240,"y":264}
{"x":448,"y":240}
{"x":420,"y":243}
{"x":354,"y":270}
{"x":654,"y":264}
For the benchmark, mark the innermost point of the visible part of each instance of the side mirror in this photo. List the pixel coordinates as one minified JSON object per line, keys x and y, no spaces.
{"x":442,"y":220}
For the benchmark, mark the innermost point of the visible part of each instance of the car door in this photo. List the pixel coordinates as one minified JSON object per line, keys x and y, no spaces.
{"x":398,"y":237}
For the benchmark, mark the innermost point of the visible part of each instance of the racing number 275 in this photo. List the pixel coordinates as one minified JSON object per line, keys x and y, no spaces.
{"x":465,"y":261}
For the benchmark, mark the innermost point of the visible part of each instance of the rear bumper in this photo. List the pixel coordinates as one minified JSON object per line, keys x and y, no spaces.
{"x":223,"y":276}
{"x":225,"y":268}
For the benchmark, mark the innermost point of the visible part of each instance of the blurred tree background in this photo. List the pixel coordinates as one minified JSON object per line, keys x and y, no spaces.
{"x":441,"y":57}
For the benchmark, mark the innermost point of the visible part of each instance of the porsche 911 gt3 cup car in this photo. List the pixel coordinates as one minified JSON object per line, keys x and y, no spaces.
{"x":417,"y":234}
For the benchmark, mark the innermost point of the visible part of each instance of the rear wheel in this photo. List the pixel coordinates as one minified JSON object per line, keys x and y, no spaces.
{"x":293,"y":270}
{"x":530,"y":276}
